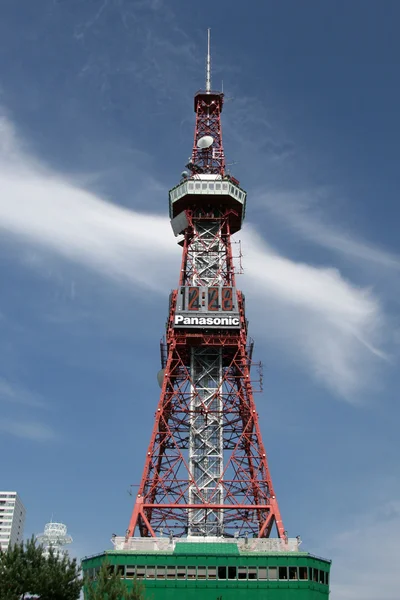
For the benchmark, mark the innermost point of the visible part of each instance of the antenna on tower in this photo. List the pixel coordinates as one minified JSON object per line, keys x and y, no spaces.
{"x":208,"y":64}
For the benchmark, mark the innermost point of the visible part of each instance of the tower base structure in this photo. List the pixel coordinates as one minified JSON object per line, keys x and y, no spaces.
{"x":216,"y":568}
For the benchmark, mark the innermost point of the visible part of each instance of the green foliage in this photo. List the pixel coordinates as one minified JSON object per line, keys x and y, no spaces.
{"x":25,"y":571}
{"x":109,"y":586}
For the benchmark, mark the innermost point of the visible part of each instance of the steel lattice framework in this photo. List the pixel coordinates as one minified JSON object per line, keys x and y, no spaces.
{"x":206,"y":470}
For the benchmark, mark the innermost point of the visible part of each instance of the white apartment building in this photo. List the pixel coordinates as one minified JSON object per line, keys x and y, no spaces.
{"x":12,"y":519}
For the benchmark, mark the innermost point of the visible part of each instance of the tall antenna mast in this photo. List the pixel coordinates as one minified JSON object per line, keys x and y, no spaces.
{"x":208,"y":64}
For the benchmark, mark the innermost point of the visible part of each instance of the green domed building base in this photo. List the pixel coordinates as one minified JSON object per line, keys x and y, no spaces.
{"x":225,"y":570}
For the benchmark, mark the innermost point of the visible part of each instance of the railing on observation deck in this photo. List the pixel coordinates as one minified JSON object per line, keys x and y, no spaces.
{"x":166,"y":544}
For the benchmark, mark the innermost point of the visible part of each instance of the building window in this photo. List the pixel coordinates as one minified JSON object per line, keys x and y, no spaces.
{"x":201,"y":572}
{"x":242,"y":573}
{"x":232,"y":572}
{"x":150,"y":572}
{"x":140,"y":572}
{"x":252,"y":573}
{"x":212,"y":572}
{"x":171,"y":572}
{"x":191,"y":572}
{"x":303,"y":574}
{"x":181,"y":572}
{"x":283,"y":573}
{"x":262,"y":572}
{"x":160,"y":572}
{"x":221,"y":572}
{"x":273,"y":573}
{"x":293,"y":573}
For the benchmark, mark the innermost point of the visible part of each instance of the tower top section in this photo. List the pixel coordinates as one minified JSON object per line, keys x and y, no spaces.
{"x":206,"y":186}
{"x":208,"y":152}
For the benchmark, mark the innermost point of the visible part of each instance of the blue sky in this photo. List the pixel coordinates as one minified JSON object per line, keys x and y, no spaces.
{"x":96,"y":124}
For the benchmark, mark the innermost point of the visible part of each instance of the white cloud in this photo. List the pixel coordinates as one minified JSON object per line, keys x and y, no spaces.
{"x":300,"y":211}
{"x":50,"y":212}
{"x":16,"y":394}
{"x":29,"y":430}
{"x":330,"y":326}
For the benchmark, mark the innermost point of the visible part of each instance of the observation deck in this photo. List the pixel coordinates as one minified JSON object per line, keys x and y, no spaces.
{"x":202,"y":190}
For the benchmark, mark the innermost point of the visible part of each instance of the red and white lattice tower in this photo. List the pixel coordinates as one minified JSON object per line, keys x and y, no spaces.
{"x":206,"y":470}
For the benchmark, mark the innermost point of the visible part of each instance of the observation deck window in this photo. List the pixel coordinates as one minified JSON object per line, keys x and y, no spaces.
{"x":293,"y":575}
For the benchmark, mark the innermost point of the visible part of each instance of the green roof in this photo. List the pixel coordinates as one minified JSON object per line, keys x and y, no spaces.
{"x":202,"y":548}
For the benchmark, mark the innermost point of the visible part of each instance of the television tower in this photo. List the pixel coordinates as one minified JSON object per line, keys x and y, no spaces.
{"x":54,"y":537}
{"x":206,"y":521}
{"x":206,"y":471}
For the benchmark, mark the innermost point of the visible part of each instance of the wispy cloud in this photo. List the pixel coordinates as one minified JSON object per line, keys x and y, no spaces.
{"x":301,"y":212}
{"x":28,"y":430}
{"x":328,"y":325}
{"x":16,"y":394}
{"x":332,"y":327}
{"x":365,"y":557}
{"x":50,"y":212}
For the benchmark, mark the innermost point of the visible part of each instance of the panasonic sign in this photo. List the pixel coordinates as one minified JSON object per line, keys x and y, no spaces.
{"x":206,"y":321}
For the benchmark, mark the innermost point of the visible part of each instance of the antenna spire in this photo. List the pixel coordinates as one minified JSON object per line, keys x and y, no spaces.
{"x":208,"y":64}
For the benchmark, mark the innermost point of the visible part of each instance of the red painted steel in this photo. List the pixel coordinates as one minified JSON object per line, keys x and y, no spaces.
{"x":208,"y":108}
{"x":249,"y":502}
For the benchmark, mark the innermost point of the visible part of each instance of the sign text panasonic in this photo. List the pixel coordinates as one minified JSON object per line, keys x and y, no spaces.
{"x":206,"y":321}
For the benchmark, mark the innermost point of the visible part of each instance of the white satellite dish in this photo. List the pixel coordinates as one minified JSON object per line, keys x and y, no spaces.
{"x":205,"y":142}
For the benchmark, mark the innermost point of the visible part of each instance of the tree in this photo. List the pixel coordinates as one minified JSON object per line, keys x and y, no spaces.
{"x":109,"y":586}
{"x":26,"y":571}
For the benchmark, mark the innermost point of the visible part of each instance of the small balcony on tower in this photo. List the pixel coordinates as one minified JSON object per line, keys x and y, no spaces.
{"x":203,"y":190}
